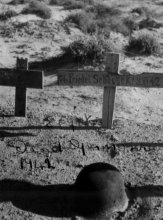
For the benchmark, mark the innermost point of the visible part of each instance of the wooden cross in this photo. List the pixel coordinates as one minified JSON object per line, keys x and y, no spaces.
{"x":110,"y":78}
{"x":21,"y":78}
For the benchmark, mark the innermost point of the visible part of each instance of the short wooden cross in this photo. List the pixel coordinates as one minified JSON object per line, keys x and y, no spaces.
{"x":21,"y":78}
{"x":109,"y":79}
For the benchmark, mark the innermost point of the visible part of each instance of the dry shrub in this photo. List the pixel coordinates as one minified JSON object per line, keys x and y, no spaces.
{"x":144,"y":43}
{"x":131,"y":24}
{"x":114,"y":24}
{"x":117,"y":25}
{"x":103,"y":10}
{"x":84,"y":21}
{"x":7,"y":14}
{"x":17,"y":2}
{"x":68,"y":4}
{"x":145,"y":12}
{"x":89,"y":21}
{"x":89,"y":49}
{"x":38,"y":8}
{"x":107,"y":19}
{"x":142,"y":11}
{"x":149,"y":23}
{"x":72,"y":4}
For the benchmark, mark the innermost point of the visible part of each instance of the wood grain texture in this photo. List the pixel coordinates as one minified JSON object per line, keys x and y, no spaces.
{"x":103,"y":78}
{"x":112,"y":65}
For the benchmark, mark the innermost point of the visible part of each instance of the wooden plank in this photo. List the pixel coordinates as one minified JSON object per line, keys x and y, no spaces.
{"x":97,"y":78}
{"x":20,"y":93}
{"x":22,"y":63}
{"x":112,"y":65}
{"x":14,"y":77}
{"x":20,"y":102}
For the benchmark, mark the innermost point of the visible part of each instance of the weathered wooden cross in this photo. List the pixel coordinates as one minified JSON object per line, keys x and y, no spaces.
{"x":21,"y":78}
{"x":110,"y":78}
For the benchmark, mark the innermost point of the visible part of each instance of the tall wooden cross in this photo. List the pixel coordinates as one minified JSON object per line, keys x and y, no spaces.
{"x":109,"y":79}
{"x":21,"y":78}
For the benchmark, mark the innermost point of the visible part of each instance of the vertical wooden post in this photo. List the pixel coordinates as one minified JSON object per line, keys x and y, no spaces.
{"x":112,"y":66}
{"x":20,"y":93}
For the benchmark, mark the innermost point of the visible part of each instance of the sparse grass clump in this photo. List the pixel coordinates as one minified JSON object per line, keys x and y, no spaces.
{"x":143,"y":44}
{"x":131,"y":24}
{"x":145,"y":12}
{"x":84,"y":21}
{"x":89,"y":49}
{"x":68,"y":4}
{"x":17,"y":2}
{"x":7,"y":14}
{"x":103,"y":10}
{"x":117,"y":25}
{"x":38,"y":8}
{"x":72,"y":4}
{"x":149,"y":23}
{"x":141,"y":11}
{"x":102,"y":18}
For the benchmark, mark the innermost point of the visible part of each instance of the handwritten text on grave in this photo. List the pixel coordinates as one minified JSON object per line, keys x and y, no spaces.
{"x":28,"y":152}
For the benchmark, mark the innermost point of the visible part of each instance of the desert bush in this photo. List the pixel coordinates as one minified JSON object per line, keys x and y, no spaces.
{"x":131,"y":24}
{"x":17,"y":2}
{"x":117,"y":25}
{"x":102,"y":10}
{"x":141,"y":11}
{"x":146,"y":12}
{"x":88,"y":23}
{"x":7,"y":14}
{"x":54,"y":2}
{"x":107,"y":18}
{"x":72,"y":4}
{"x":84,"y":21}
{"x":103,"y":27}
{"x":143,"y":44}
{"x":68,"y":4}
{"x":149,"y":23}
{"x":114,"y":24}
{"x":101,"y":18}
{"x":89,"y":49}
{"x":38,"y":8}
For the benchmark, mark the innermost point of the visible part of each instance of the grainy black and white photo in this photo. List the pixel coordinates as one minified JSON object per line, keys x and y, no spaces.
{"x":81,"y":109}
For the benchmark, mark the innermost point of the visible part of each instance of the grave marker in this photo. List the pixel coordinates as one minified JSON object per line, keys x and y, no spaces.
{"x":20,"y":91}
{"x":109,"y":79}
{"x":21,"y":78}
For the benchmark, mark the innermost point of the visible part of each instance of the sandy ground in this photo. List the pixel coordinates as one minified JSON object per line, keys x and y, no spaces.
{"x":138,"y":117}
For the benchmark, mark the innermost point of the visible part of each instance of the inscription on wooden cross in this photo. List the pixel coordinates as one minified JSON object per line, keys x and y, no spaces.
{"x":110,"y":78}
{"x":21,"y":78}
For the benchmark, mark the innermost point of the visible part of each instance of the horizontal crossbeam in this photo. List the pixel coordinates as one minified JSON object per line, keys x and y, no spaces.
{"x":103,"y":78}
{"x":25,"y":78}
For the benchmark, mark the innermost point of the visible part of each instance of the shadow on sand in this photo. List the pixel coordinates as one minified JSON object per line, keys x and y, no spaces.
{"x":61,"y":200}
{"x":4,"y":134}
{"x":47,"y":127}
{"x":49,"y":200}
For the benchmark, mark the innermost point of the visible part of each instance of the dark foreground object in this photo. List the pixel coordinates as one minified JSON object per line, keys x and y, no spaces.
{"x":97,"y":192}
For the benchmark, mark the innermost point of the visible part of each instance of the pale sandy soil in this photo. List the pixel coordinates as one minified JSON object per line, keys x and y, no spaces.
{"x":138,"y":115}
